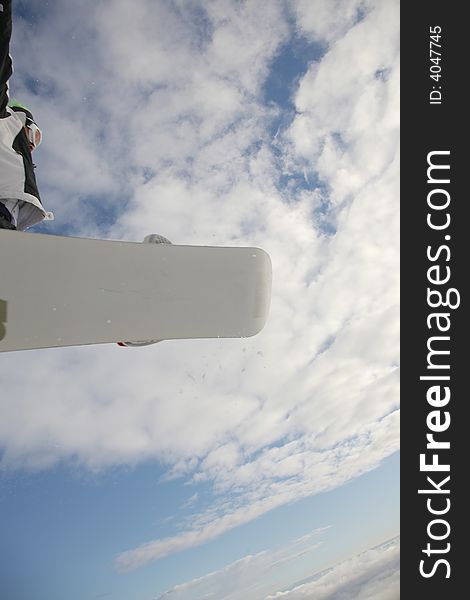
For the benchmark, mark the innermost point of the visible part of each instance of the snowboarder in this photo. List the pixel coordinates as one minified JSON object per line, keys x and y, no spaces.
{"x":20,"y":203}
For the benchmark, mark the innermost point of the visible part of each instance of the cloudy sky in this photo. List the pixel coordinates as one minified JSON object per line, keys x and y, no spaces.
{"x":242,"y":469}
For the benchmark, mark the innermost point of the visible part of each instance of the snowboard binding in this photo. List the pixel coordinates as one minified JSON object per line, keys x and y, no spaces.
{"x":152,"y":238}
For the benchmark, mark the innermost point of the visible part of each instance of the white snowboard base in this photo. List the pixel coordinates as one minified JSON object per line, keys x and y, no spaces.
{"x":62,"y":291}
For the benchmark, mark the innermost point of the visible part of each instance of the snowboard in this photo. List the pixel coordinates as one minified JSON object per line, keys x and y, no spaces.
{"x":65,"y":291}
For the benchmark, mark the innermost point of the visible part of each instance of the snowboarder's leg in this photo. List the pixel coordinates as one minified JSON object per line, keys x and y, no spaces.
{"x":5,"y":59}
{"x":7,"y":221}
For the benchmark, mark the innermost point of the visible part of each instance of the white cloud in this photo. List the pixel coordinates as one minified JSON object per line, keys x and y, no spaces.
{"x":174,"y":137}
{"x":372,"y":575}
{"x":328,"y":20}
{"x":347,"y":126}
{"x":249,"y":577}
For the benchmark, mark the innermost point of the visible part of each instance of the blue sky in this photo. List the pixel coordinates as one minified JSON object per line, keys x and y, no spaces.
{"x":217,"y":468}
{"x":64,"y":513}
